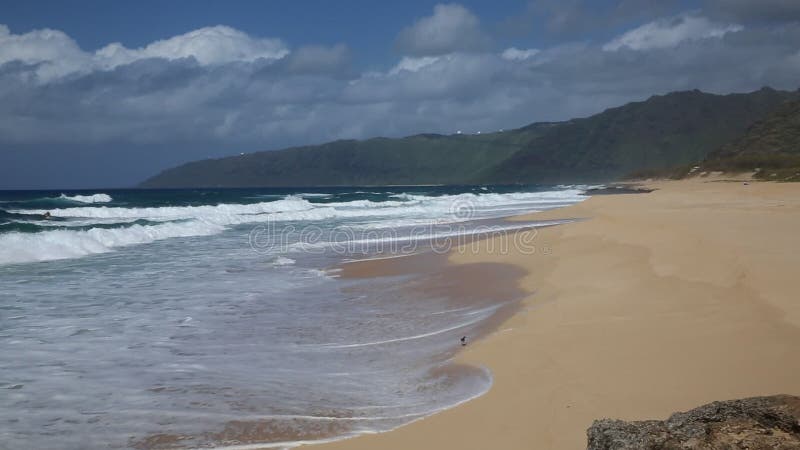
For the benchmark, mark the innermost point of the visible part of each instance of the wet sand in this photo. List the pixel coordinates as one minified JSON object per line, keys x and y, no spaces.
{"x":472,"y":285}
{"x":657,"y":303}
{"x":424,"y":277}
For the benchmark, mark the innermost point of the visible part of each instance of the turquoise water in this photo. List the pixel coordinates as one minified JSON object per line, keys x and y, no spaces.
{"x":127,"y":314}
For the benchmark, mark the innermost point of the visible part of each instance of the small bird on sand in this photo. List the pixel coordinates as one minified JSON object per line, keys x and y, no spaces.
{"x":463,"y":340}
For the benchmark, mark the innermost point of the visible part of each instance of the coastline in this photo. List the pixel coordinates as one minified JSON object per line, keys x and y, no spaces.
{"x":658,"y":303}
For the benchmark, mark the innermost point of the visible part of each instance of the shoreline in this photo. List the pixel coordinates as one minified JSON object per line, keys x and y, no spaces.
{"x":656,"y":303}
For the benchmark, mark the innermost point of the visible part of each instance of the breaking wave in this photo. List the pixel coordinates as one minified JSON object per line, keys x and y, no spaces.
{"x":94,"y":198}
{"x":62,"y":244}
{"x":72,"y":232}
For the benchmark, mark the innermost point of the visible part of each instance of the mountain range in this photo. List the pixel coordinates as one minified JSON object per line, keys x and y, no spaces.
{"x":663,"y":131}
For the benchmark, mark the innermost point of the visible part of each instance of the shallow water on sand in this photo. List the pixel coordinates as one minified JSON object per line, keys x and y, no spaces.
{"x":207,"y":318}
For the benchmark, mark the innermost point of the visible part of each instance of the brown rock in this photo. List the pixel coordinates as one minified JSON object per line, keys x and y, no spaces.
{"x":753,"y":423}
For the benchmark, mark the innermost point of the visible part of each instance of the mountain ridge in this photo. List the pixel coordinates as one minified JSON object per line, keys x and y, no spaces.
{"x":662,"y":131}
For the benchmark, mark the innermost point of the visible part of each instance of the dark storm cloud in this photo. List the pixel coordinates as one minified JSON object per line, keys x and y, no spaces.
{"x":747,"y":11}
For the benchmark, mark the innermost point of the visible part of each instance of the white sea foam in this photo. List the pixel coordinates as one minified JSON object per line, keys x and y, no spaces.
{"x":283,"y":261}
{"x":482,"y":314}
{"x":94,"y":198}
{"x":184,"y":221}
{"x":63,"y":244}
{"x":314,"y":195}
{"x":445,"y":237}
{"x":299,"y":209}
{"x":201,"y":319}
{"x":222,"y":213}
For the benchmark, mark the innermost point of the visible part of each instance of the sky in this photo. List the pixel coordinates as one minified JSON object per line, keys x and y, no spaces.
{"x":105,"y":94}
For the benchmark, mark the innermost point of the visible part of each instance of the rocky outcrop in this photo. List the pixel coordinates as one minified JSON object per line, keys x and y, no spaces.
{"x":753,"y":423}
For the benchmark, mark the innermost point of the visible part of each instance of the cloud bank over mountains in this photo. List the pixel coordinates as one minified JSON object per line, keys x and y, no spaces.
{"x":217,"y":90}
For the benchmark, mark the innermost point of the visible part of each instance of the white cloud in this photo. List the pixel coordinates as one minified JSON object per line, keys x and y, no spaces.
{"x":209,"y":45}
{"x":515,"y":54}
{"x":412,"y":64}
{"x":665,"y":33}
{"x":57,"y":54}
{"x":53,"y":50}
{"x":451,"y":28}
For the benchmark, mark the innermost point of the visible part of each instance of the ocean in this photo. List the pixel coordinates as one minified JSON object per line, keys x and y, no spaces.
{"x":216,"y":318}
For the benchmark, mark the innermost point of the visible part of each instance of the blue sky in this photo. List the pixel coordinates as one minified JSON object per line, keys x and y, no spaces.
{"x":367,"y":27}
{"x":99,"y":93}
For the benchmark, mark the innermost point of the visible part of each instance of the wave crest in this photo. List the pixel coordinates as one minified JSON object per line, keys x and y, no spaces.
{"x":100,"y":225}
{"x":94,"y":198}
{"x":63,"y":244}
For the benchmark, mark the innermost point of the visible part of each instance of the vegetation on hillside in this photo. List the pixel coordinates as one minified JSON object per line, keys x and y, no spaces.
{"x":661,"y":132}
{"x":770,"y":148}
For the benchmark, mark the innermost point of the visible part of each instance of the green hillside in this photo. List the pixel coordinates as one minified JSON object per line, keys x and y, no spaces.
{"x":663,"y":131}
{"x":420,"y":159}
{"x":771,"y":145}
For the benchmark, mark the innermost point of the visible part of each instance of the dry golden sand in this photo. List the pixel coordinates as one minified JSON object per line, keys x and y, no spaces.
{"x":657,"y":303}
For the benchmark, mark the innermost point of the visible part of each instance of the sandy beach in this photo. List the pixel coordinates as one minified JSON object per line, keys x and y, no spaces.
{"x":655,"y":303}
